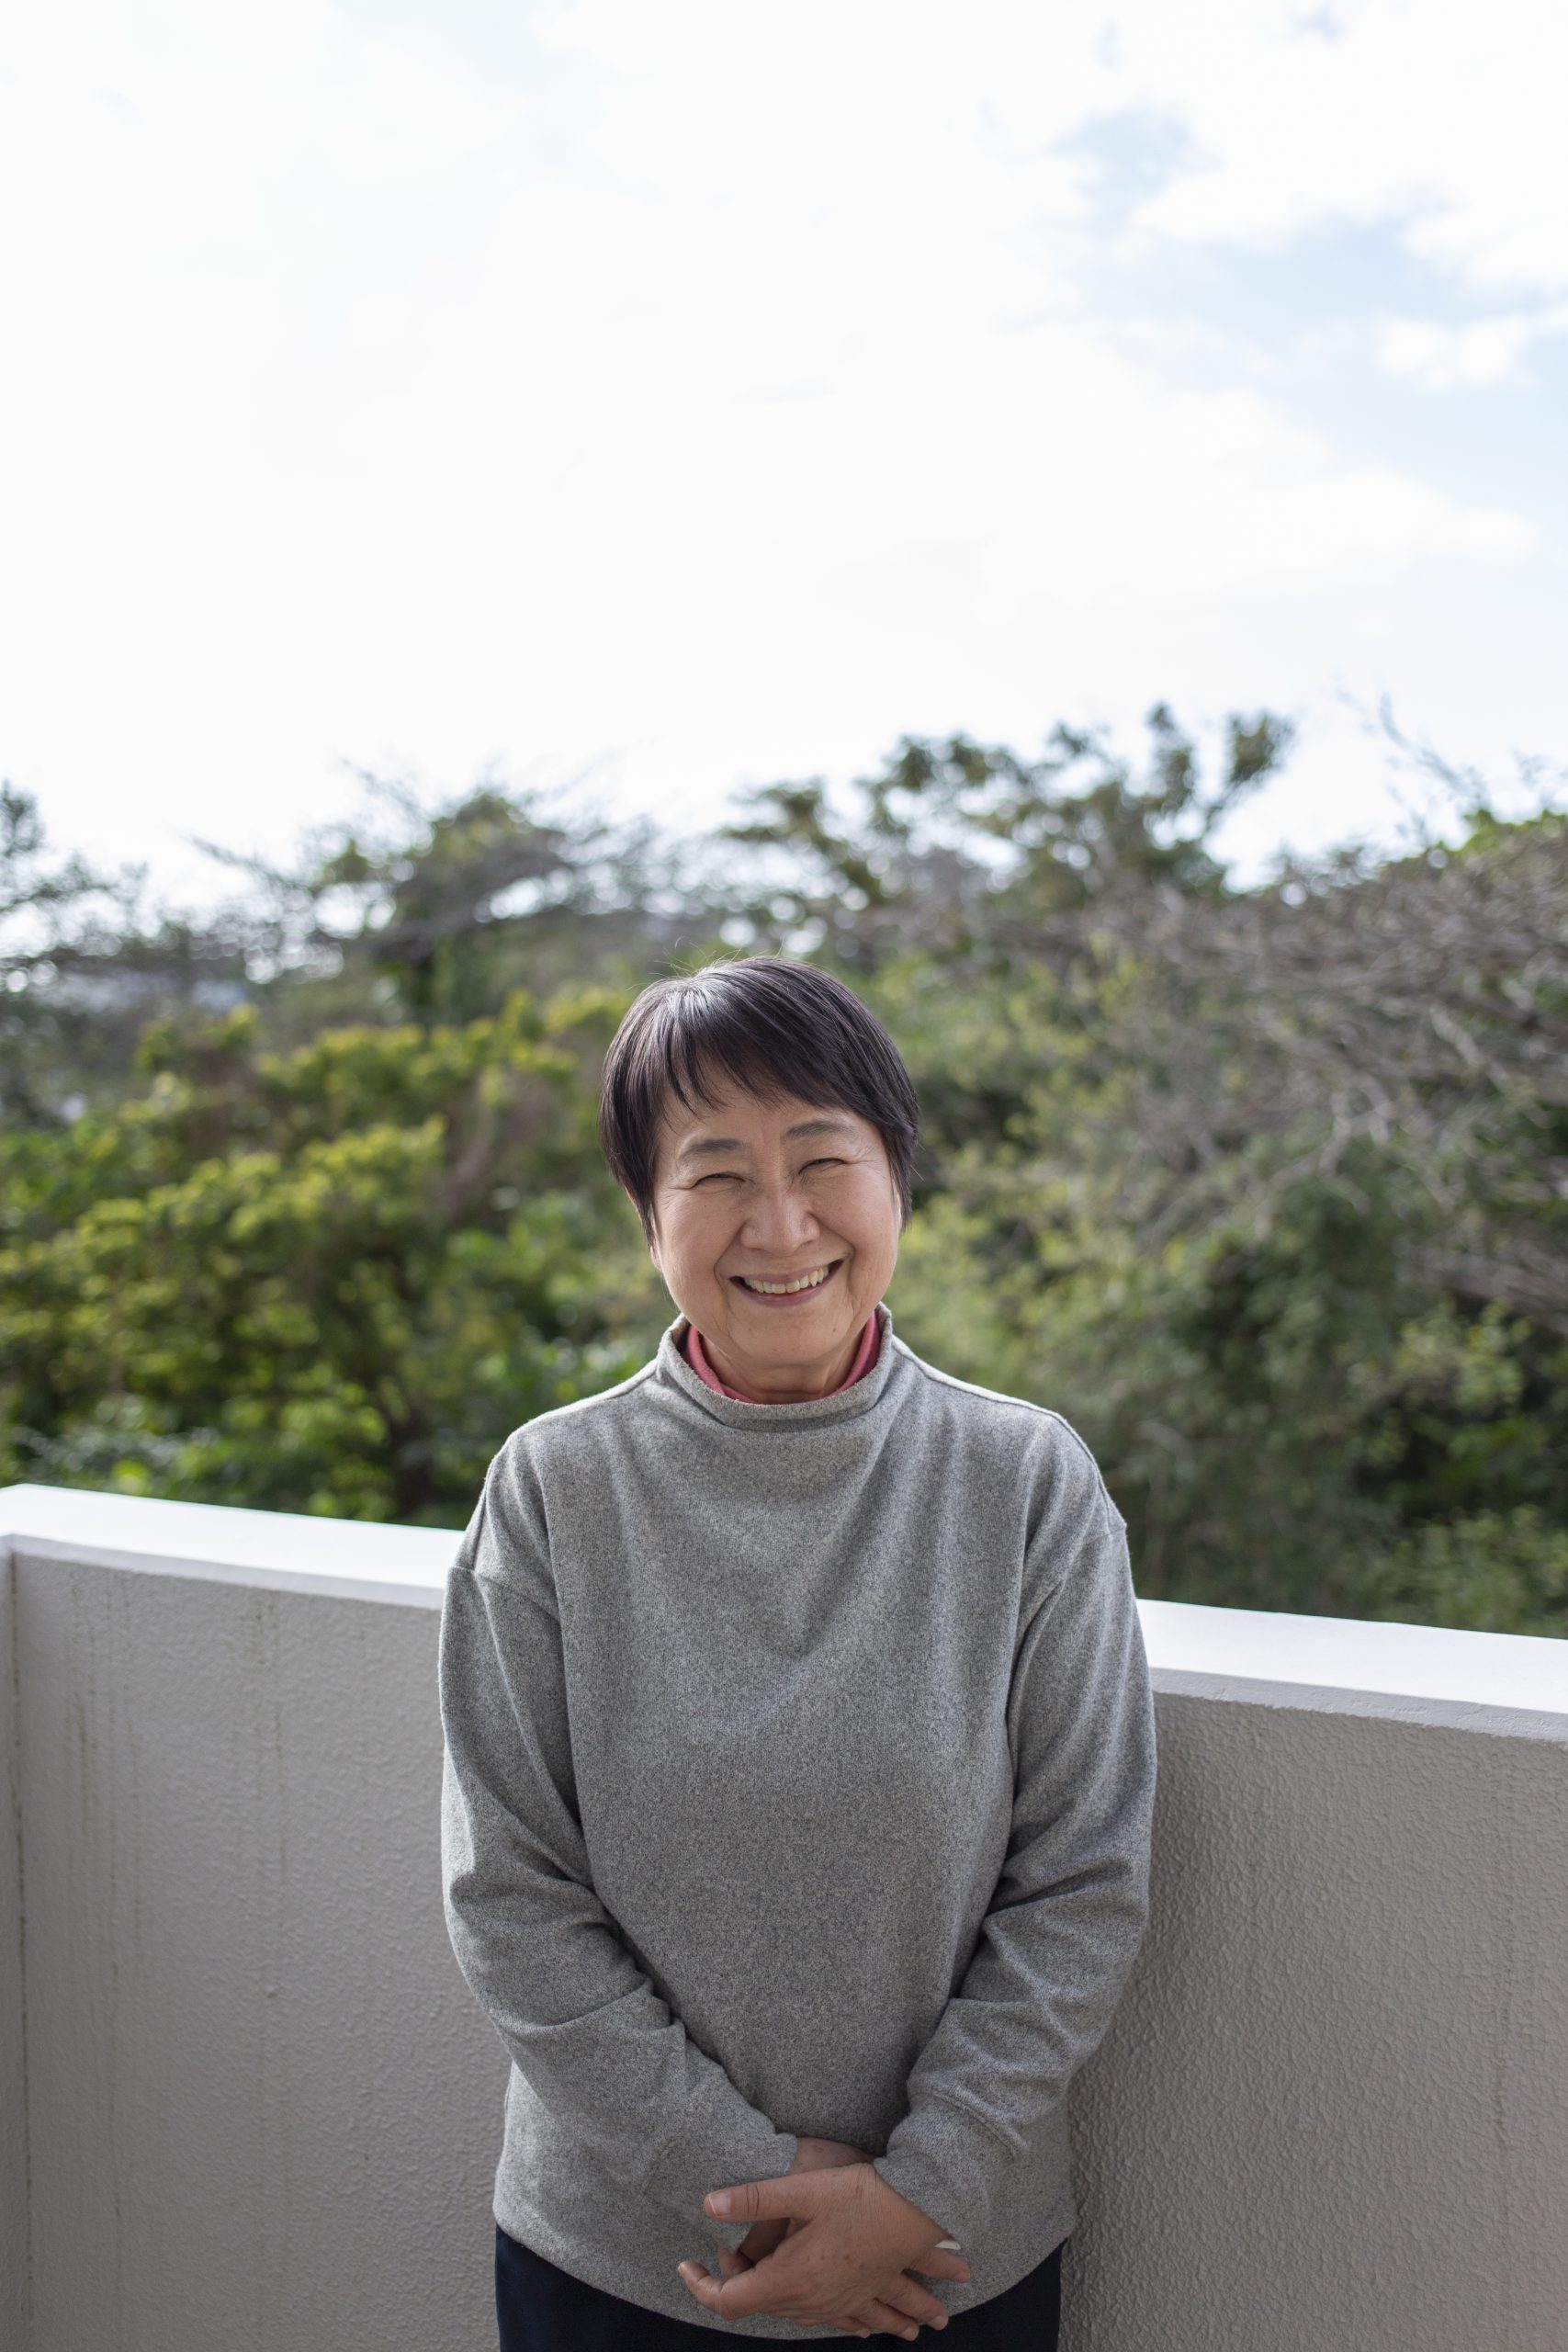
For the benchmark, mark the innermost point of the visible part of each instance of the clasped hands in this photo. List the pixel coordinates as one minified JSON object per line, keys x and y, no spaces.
{"x":834,"y":2246}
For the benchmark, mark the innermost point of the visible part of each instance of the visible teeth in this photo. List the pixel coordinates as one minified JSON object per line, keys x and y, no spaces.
{"x":782,"y":1289}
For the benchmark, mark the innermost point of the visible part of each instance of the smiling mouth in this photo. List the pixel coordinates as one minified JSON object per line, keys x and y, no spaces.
{"x":800,"y":1285}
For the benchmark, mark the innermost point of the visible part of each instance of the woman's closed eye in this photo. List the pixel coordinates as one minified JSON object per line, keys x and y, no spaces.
{"x":732,"y":1175}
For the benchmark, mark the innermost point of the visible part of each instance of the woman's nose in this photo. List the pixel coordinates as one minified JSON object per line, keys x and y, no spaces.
{"x":779,"y":1219}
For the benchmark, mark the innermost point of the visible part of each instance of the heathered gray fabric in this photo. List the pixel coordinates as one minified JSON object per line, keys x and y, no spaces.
{"x":799,"y":1769}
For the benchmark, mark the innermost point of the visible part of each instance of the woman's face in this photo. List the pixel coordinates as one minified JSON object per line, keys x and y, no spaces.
{"x":753,"y":1192}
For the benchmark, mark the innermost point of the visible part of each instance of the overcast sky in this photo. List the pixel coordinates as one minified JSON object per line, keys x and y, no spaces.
{"x":696,"y":393}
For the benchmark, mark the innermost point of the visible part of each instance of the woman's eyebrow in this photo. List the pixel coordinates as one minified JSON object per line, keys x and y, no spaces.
{"x":706,"y":1145}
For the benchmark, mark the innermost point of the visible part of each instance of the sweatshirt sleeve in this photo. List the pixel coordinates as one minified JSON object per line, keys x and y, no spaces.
{"x":539,"y":1951}
{"x":1071,"y":1903}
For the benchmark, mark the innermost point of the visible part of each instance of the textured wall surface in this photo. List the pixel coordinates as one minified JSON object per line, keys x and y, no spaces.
{"x":262,"y":2111}
{"x":1332,"y":2109}
{"x":263,"y":2108}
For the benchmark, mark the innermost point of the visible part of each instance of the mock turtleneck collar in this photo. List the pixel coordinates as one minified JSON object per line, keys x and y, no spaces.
{"x":844,"y":1404}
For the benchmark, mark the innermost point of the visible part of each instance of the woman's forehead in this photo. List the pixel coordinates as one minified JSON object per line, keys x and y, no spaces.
{"x":737,"y":1113}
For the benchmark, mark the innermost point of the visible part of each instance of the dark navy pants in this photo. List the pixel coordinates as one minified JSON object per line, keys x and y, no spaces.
{"x":539,"y":2308}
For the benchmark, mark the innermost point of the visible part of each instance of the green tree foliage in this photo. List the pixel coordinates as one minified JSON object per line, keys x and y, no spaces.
{"x":327,"y":1281}
{"x":1265,"y":1188}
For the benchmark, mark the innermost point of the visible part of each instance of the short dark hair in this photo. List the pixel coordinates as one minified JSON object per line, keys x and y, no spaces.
{"x":772,"y":1027}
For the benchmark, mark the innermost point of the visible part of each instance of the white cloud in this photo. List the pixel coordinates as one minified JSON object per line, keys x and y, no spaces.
{"x":1444,"y":121}
{"x":740,"y":398}
{"x":1442,"y":354}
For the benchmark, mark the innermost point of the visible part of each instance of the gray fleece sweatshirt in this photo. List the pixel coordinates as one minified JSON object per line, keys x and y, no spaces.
{"x":799,"y":1768}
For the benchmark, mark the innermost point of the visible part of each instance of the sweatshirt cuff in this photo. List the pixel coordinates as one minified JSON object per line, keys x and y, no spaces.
{"x":706,"y":2151}
{"x":948,"y":2163}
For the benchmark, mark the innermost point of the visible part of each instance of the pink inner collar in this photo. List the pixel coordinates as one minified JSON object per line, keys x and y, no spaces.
{"x":865,"y":1356}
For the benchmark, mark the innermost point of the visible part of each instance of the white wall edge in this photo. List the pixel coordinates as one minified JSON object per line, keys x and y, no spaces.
{"x":1363,"y":1665}
{"x":341,"y":1558}
{"x":1388,"y":1706}
{"x":316,"y":1584}
{"x":1513,"y":1685}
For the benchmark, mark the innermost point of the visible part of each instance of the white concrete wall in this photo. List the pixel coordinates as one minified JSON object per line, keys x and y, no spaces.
{"x":262,"y":2110}
{"x":13,"y":2083}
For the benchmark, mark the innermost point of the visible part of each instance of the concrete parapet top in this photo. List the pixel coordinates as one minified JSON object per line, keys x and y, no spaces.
{"x":1511,"y":1683}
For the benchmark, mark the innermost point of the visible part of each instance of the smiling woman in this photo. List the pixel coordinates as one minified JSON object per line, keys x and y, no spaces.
{"x":763,"y":1127}
{"x":799,"y":1749}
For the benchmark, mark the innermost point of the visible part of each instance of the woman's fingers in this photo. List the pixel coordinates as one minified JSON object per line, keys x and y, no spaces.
{"x":882,"y":2319}
{"x":903,"y":2311}
{"x":940,"y":2264}
{"x":764,"y":2238}
{"x":911,"y":2304}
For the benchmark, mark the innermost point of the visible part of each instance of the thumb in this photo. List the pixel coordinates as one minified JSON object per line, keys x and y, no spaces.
{"x":792,"y":2194}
